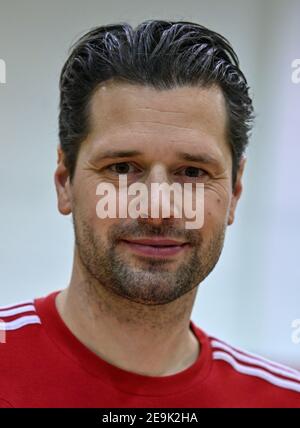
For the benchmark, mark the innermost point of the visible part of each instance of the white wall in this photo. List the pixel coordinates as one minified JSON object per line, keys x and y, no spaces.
{"x":252,"y":296}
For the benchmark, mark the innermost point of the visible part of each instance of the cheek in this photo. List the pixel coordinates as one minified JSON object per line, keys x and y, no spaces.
{"x":88,"y":207}
{"x":93,"y":201}
{"x":85,"y":204}
{"x":215,"y":210}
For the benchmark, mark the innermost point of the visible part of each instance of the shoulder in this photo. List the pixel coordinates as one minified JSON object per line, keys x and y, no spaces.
{"x":19,"y":332}
{"x":254,"y":369}
{"x":18,"y":322}
{"x":17,"y":315}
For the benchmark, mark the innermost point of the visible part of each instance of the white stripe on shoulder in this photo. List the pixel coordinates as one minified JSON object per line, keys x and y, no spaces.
{"x":247,"y":359}
{"x":15,"y":311}
{"x":251,"y":371}
{"x":258,"y":358}
{"x":19,"y":322}
{"x":13,"y":305}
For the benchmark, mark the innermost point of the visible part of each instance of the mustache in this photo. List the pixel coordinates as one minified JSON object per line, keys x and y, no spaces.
{"x":137,"y":229}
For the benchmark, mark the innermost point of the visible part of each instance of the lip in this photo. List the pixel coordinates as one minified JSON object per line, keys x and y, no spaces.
{"x":156,"y":247}
{"x":155,"y":241}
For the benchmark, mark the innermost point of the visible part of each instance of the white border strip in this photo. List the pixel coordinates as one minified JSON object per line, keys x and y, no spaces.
{"x":20,"y":322}
{"x":15,"y":311}
{"x":12,"y":305}
{"x":218,"y":355}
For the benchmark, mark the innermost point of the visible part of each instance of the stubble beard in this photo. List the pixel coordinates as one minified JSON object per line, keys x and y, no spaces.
{"x":144,"y":280}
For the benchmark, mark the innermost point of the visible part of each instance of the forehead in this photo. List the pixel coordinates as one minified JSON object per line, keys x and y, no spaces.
{"x":127,"y":114}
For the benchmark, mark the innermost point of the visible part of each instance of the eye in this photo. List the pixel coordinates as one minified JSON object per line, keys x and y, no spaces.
{"x":121,"y":168}
{"x":193,"y":172}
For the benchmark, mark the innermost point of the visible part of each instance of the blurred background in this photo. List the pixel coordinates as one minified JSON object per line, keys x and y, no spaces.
{"x":253,"y":295}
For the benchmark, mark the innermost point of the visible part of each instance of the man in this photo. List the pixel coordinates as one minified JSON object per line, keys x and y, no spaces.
{"x":163,"y":103}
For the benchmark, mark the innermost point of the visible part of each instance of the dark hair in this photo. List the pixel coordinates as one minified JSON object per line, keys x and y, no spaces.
{"x":160,"y":54}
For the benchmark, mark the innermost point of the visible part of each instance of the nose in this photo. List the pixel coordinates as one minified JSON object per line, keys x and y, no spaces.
{"x":160,"y":197}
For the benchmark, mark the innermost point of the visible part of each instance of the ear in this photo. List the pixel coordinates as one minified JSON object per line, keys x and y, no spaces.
{"x":62,"y":184}
{"x":237,"y":191}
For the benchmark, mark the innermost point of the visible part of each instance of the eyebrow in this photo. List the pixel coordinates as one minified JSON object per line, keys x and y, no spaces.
{"x":200,"y":158}
{"x":111,"y":154}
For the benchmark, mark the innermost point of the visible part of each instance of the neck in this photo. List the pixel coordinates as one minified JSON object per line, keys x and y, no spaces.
{"x":152,"y":340}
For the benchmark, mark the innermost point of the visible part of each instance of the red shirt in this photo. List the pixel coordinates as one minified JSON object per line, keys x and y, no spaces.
{"x":42,"y":364}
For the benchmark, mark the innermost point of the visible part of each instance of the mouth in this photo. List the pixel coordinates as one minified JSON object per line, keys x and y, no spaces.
{"x":156,"y":247}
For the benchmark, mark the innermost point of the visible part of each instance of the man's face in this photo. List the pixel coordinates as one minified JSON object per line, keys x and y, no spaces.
{"x":155,"y":128}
